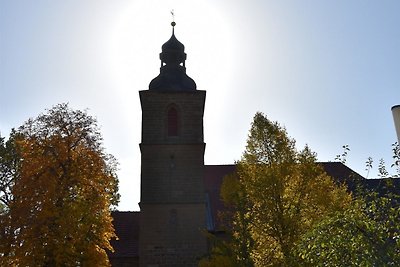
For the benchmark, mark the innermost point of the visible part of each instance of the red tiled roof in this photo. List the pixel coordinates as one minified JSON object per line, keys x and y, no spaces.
{"x":126,"y":224}
{"x":213,"y":176}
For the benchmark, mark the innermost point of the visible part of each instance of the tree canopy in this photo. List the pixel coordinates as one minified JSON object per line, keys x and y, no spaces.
{"x":276,"y":196}
{"x":284,"y":210}
{"x":58,"y":187}
{"x":365,"y":234}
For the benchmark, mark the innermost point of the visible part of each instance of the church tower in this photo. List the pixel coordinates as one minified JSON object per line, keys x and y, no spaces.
{"x":172,"y":204}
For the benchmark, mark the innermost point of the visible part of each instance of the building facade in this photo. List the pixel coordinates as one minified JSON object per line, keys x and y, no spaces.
{"x":172,"y":203}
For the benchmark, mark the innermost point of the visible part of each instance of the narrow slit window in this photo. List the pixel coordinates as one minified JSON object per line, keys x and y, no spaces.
{"x":172,"y":122}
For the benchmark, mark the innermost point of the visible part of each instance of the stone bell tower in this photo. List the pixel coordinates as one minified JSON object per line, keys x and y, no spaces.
{"x":172,"y":204}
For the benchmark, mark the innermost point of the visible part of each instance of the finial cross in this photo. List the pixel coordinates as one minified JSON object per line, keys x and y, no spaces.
{"x":173,"y":15}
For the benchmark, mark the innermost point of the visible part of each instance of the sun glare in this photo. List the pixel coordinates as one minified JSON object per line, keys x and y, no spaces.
{"x":141,"y":29}
{"x":133,"y":58}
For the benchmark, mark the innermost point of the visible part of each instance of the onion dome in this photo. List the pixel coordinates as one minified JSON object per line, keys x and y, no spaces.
{"x":173,"y":51}
{"x":172,"y":75}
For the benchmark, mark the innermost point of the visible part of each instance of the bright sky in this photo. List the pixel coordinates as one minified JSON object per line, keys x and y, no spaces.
{"x":327,"y":70}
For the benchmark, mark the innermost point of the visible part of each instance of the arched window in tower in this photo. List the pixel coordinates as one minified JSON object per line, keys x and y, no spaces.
{"x":172,"y":122}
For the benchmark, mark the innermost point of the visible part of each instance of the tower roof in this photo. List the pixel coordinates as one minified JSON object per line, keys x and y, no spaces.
{"x":172,"y":75}
{"x":173,"y":43}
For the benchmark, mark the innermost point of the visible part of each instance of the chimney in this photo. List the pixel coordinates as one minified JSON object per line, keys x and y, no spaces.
{"x":396,"y":118}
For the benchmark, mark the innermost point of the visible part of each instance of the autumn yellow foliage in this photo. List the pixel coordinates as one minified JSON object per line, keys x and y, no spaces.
{"x":64,"y":190}
{"x":276,"y":195}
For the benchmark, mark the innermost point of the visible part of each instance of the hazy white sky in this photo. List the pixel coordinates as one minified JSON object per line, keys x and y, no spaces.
{"x":327,"y":70}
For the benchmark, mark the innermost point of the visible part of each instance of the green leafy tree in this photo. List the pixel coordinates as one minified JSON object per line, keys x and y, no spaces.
{"x":340,"y":240}
{"x":396,"y":160}
{"x":62,"y":192}
{"x":279,"y":194}
{"x":365,"y":234}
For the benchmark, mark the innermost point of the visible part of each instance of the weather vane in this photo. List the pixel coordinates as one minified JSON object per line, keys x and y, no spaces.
{"x":173,"y":18}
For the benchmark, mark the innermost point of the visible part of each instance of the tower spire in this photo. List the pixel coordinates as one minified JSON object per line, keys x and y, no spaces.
{"x":173,"y":21}
{"x":173,"y":75}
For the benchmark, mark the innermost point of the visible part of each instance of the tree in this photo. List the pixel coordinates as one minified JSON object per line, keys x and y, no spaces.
{"x":9,"y":163}
{"x":62,"y":193}
{"x":279,"y":194}
{"x":365,"y":234}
